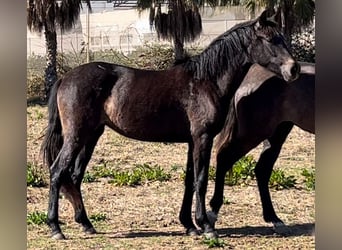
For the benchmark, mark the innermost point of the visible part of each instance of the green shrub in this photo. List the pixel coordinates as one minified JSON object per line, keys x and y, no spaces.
{"x":34,"y":176}
{"x":36,"y":218}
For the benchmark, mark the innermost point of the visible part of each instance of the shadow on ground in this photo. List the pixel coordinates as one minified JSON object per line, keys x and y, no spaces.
{"x":306,"y":229}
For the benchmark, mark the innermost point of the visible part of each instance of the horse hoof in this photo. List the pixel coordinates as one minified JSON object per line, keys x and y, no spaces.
{"x":192,"y":232}
{"x":90,"y":230}
{"x":212,"y":217}
{"x":58,"y":236}
{"x":211,"y":235}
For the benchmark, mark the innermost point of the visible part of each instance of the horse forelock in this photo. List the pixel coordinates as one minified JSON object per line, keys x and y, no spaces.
{"x":227,"y":51}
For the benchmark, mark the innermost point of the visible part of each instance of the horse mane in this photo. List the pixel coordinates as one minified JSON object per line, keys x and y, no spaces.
{"x":226,"y":51}
{"x":229,"y":50}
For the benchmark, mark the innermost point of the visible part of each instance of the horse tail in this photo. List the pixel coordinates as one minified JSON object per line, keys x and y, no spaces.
{"x":53,"y":139}
{"x":229,"y":127}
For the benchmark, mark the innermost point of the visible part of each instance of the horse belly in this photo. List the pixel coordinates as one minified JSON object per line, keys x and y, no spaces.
{"x":137,"y":123}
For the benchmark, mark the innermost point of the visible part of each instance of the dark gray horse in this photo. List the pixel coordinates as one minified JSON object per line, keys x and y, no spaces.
{"x":185,"y":103}
{"x":264,"y":108}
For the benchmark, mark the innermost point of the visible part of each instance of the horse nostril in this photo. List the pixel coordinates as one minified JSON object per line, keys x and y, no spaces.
{"x":295,"y":69}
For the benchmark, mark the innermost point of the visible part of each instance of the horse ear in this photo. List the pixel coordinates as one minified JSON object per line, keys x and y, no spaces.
{"x":267,"y":17}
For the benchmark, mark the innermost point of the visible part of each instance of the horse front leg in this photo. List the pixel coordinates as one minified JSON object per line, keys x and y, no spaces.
{"x":201,"y":157}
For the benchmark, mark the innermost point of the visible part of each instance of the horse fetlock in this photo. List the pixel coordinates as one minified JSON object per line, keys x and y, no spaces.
{"x":212,"y":218}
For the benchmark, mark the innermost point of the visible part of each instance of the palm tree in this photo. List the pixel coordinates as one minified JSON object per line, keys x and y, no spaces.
{"x":182,"y":21}
{"x":294,"y":15}
{"x":48,"y":16}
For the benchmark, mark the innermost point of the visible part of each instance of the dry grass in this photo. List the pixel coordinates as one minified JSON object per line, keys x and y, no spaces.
{"x":146,"y":217}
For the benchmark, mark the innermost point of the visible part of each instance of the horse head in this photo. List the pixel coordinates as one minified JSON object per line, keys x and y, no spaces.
{"x":269,"y":48}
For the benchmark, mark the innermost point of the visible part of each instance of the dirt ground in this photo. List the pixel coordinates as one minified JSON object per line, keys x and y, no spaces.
{"x":146,"y":216}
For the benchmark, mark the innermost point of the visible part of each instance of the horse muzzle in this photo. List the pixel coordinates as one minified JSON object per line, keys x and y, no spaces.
{"x":290,"y":70}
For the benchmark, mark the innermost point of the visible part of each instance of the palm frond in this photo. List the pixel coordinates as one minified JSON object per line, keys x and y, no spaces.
{"x":304,"y":11}
{"x":50,"y":14}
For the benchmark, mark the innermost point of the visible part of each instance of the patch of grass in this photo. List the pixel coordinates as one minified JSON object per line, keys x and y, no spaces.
{"x":34,"y":176}
{"x":141,"y":173}
{"x":211,"y":243}
{"x":309,"y":180}
{"x":98,"y":217}
{"x":101,"y":171}
{"x":36,"y":218}
{"x":125,"y":178}
{"x":279,"y":180}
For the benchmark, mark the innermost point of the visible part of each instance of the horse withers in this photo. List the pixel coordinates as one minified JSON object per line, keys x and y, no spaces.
{"x":264,"y":109}
{"x":186,"y":103}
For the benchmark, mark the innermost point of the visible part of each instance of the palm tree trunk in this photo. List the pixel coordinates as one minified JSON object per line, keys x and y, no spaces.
{"x":51,"y":54}
{"x":288,"y":19}
{"x":179,"y":49}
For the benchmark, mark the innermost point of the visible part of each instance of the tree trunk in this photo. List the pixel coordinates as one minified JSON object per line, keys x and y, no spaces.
{"x":288,"y":19}
{"x":179,"y":49}
{"x":51,"y":54}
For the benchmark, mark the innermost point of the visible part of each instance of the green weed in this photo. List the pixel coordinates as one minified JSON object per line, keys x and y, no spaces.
{"x":34,"y":176}
{"x":226,"y":201}
{"x":242,"y":171}
{"x":309,"y":180}
{"x":88,"y":177}
{"x":279,"y":180}
{"x":215,"y":242}
{"x":36,"y":218}
{"x":140,"y":174}
{"x":98,"y":217}
{"x":101,"y":171}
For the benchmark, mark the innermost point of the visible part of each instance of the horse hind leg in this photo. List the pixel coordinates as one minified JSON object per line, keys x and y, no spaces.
{"x":201,"y":155}
{"x":185,"y":212}
{"x":60,"y":175}
{"x":72,"y":188}
{"x":263,"y":171}
{"x":226,"y":156}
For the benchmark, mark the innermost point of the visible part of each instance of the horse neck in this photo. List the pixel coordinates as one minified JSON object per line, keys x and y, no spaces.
{"x":231,"y":80}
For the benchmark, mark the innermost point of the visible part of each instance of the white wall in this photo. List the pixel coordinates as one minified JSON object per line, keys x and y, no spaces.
{"x":125,"y":29}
